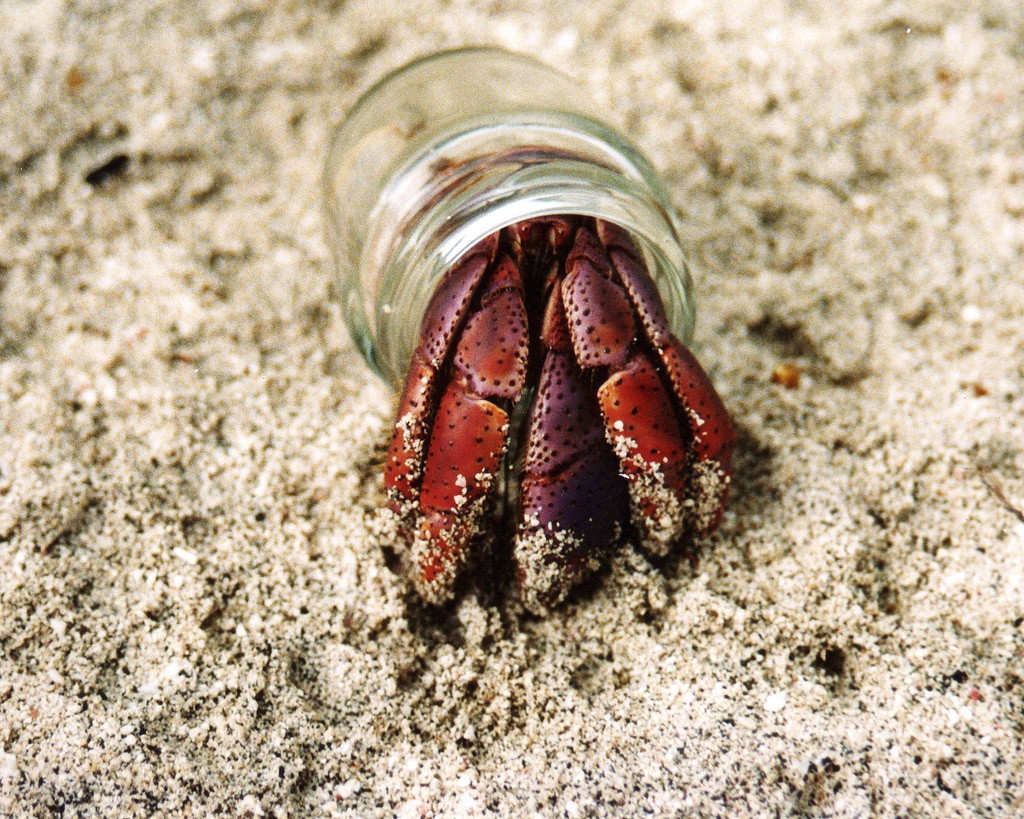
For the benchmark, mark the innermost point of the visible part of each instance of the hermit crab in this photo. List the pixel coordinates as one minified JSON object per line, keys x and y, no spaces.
{"x":516,"y":263}
{"x":547,"y":379}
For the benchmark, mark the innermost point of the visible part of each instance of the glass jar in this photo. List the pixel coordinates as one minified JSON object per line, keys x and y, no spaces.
{"x":450,"y":149}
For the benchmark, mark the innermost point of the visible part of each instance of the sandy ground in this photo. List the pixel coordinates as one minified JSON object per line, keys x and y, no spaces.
{"x":195,"y":614}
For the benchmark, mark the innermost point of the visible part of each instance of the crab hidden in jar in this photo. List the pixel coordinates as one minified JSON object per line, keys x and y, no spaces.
{"x":511,"y":264}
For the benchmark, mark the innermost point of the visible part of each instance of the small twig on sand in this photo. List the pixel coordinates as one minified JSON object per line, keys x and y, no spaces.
{"x":994,"y":486}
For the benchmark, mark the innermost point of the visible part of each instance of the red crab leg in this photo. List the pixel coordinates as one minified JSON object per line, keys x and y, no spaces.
{"x":654,"y":395}
{"x":654,"y":406}
{"x":442,"y":504}
{"x":713,"y":433}
{"x":572,"y":500}
{"x":444,"y":315}
{"x":714,"y":438}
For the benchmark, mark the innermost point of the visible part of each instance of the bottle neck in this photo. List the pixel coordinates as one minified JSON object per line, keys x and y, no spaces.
{"x":488,"y":175}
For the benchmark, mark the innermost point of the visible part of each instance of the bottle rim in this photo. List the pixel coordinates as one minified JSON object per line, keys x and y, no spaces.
{"x":436,"y":241}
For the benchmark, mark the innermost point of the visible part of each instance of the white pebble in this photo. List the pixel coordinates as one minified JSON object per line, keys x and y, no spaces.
{"x":185,"y":555}
{"x":971,"y":314}
{"x":8,"y":766}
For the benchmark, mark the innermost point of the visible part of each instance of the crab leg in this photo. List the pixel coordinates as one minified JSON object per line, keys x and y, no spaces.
{"x":706,"y":417}
{"x":572,"y":500}
{"x":659,"y":410}
{"x":667,"y":433}
{"x":443,"y":505}
{"x":445,"y":313}
{"x":714,"y":436}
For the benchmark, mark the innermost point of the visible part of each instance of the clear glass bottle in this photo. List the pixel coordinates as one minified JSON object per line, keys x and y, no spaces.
{"x":450,"y":149}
